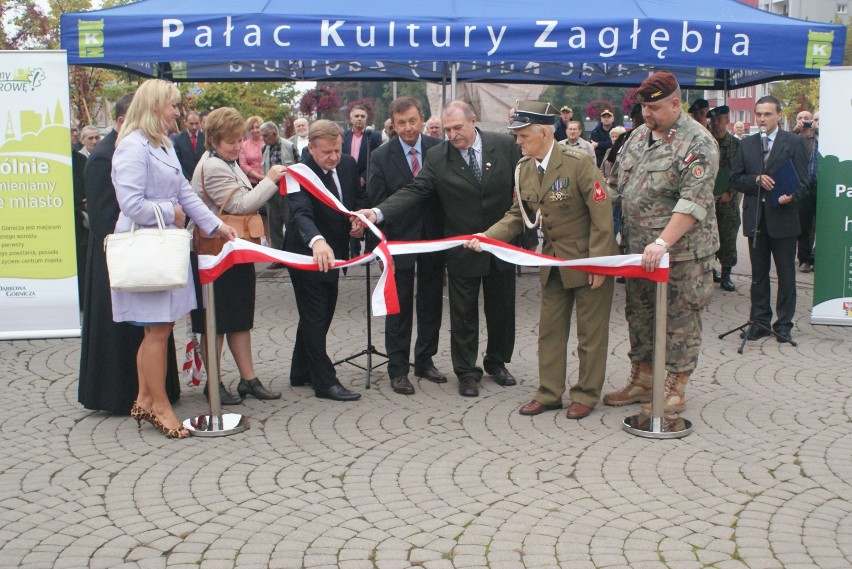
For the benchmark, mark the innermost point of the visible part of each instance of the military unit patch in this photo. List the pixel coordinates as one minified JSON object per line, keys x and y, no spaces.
{"x":698,"y":171}
{"x":599,"y":194}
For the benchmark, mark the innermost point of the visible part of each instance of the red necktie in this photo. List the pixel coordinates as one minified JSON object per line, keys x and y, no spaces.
{"x":194,"y":139}
{"x":415,"y":163}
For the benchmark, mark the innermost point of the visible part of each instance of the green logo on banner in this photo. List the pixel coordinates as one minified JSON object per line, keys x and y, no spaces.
{"x":91,"y":37}
{"x":705,"y":76}
{"x":819,"y":49}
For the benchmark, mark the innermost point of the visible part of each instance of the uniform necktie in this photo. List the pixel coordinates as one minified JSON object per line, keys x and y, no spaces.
{"x":415,"y":163}
{"x":540,"y":173}
{"x":474,"y":165}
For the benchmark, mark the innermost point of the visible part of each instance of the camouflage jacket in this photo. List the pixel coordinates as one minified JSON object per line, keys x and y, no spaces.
{"x":676,"y":174}
{"x":727,"y":152}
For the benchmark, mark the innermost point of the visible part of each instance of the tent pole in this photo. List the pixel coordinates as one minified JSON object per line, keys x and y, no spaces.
{"x":453,"y":71}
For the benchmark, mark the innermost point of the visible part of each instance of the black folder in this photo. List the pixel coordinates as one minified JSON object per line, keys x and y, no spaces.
{"x":786,"y":181}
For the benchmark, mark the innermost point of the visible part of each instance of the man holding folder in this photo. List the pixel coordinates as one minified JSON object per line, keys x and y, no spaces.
{"x":771,"y":215}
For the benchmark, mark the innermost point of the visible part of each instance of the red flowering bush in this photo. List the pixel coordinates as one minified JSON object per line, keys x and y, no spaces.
{"x":322,"y":100}
{"x":594,"y":108}
{"x":629,"y":100}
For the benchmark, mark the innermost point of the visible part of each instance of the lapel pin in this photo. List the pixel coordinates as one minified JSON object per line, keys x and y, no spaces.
{"x":488,"y":164}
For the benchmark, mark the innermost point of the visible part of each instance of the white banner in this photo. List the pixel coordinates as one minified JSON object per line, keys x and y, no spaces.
{"x":38,"y":271}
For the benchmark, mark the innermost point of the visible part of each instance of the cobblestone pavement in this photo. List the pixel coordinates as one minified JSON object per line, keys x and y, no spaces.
{"x":436,"y":480}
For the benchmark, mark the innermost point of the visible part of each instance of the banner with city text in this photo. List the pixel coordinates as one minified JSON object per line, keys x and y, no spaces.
{"x":833,"y":244}
{"x":38,"y":272}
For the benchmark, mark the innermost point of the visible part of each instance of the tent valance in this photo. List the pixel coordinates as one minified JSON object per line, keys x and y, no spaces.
{"x":494,"y":40}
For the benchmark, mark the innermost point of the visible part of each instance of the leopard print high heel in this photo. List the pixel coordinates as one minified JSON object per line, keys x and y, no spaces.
{"x":174,"y":433}
{"x":140,"y":414}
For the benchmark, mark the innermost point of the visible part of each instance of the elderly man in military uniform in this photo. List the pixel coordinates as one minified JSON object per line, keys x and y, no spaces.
{"x":665,"y":174}
{"x":561,"y":190}
{"x":727,"y":198}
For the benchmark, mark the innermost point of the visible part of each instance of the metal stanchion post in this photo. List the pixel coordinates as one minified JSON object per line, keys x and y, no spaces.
{"x":657,"y":425}
{"x":214,"y":424}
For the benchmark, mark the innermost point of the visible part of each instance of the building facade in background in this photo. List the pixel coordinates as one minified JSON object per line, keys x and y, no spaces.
{"x":741,"y":101}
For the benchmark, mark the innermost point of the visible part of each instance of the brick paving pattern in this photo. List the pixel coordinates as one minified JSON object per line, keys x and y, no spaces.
{"x":435,"y":480}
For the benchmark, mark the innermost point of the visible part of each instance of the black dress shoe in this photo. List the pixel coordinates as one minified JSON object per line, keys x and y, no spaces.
{"x":337,"y":393}
{"x":431,"y":373}
{"x":256,"y":388}
{"x":500,"y":374}
{"x":783,"y":336}
{"x":756,"y":333}
{"x":225,"y":396}
{"x":299,"y":382}
{"x":468,"y":387}
{"x":401,"y":385}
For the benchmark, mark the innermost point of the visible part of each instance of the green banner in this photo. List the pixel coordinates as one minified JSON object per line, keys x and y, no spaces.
{"x":833,"y":248}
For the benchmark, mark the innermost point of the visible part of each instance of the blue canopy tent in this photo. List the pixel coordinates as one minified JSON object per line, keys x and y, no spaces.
{"x":724,"y":45}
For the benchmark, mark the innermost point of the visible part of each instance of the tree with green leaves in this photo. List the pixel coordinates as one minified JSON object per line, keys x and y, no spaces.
{"x":797,"y":95}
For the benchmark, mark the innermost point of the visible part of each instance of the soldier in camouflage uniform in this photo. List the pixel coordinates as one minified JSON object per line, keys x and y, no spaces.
{"x":560,"y":189}
{"x":727,"y":198}
{"x":665,"y":175}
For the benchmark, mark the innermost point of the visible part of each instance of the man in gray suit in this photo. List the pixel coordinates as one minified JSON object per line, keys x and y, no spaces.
{"x":276,"y":150}
{"x":472,"y":175}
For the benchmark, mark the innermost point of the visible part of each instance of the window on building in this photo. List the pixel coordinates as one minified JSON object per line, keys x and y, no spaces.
{"x":841,"y":8}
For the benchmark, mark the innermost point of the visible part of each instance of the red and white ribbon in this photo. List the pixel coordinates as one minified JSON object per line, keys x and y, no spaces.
{"x":384,"y":299}
{"x":191,"y":369}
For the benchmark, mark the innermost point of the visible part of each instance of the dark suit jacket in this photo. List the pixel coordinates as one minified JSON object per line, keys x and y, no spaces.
{"x":309,"y":217}
{"x":783,"y":220}
{"x":389,"y":171}
{"x":188,"y":157}
{"x":375,"y":140}
{"x":101,"y":202}
{"x":468,"y":206}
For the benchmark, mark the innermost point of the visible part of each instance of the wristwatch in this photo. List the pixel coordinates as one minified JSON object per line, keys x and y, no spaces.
{"x":659,"y":241}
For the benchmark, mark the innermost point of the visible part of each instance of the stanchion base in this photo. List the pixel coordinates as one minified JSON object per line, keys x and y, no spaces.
{"x":669,"y":427}
{"x":203,"y":426}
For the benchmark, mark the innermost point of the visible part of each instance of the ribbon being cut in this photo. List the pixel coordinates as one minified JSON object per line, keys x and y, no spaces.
{"x":384,"y":300}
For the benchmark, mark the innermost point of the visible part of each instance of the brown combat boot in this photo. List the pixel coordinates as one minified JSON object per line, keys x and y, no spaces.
{"x":637,"y":391}
{"x":674,"y":396}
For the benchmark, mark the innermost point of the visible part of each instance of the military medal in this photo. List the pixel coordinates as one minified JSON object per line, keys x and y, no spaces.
{"x":556,"y":190}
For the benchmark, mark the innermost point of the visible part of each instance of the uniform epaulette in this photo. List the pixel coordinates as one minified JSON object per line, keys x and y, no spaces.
{"x":573,"y":152}
{"x":524,"y":159}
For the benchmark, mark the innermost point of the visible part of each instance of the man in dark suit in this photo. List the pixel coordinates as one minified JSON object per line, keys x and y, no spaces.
{"x":189,"y":144}
{"x":771,"y":229}
{"x":472,"y":174}
{"x":317,"y":230}
{"x":392,"y":166}
{"x":357,"y":133}
{"x":358,"y":142}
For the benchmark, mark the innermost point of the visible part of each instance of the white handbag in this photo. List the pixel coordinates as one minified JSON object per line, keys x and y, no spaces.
{"x":148,"y":260}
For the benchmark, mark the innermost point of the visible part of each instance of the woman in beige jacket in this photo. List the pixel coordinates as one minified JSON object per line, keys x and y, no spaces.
{"x":216,"y":177}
